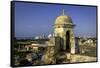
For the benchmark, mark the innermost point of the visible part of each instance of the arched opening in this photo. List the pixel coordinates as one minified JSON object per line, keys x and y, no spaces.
{"x":68,"y":41}
{"x":59,"y":43}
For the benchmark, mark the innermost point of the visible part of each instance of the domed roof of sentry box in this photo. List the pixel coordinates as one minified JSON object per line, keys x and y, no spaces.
{"x":63,"y":19}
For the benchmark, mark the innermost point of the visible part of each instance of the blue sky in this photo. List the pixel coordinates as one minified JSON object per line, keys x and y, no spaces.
{"x":33,"y":19}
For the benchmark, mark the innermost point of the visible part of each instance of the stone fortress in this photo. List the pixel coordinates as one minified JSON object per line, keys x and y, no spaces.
{"x":63,"y":41}
{"x":62,"y":47}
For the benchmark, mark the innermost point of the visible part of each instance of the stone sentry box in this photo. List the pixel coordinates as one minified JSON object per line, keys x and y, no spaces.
{"x":63,"y":33}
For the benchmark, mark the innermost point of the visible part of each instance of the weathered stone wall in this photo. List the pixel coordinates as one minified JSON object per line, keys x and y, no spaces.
{"x":50,"y":53}
{"x":49,"y":56}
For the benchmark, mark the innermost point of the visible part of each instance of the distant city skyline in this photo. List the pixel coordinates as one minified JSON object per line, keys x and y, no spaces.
{"x":35,"y":19}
